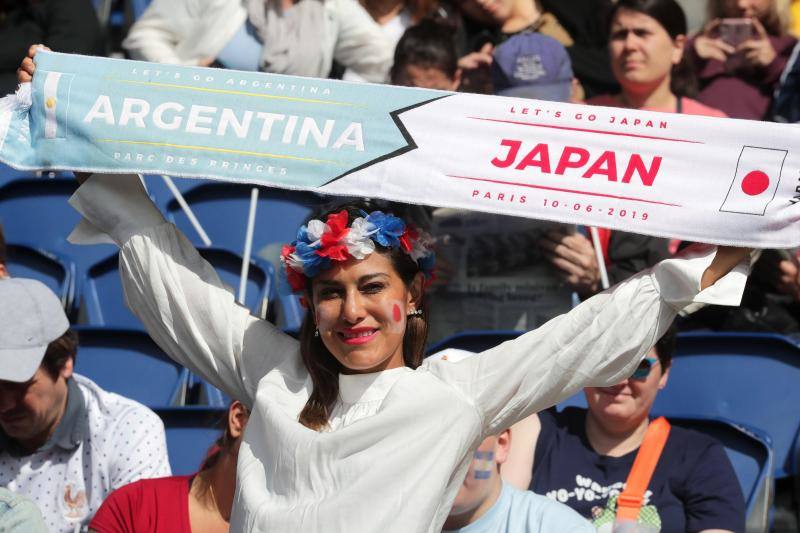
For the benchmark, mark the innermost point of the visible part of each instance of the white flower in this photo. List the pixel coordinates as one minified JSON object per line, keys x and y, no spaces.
{"x":422,"y":246}
{"x":358,"y":241}
{"x":315,"y":229}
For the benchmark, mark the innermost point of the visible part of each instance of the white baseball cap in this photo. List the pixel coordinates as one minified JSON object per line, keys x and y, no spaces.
{"x":32,"y":318}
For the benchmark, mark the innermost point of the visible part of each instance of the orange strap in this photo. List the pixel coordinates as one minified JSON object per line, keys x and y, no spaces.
{"x":630,"y":501}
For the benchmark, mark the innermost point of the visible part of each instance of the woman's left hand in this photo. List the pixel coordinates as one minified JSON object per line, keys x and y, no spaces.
{"x":758,"y":52}
{"x":726,"y":258}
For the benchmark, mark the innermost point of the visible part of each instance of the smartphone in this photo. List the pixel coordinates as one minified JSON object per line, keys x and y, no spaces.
{"x":735,"y":31}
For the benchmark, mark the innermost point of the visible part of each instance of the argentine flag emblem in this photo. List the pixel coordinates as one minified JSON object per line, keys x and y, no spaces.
{"x":56,"y":102}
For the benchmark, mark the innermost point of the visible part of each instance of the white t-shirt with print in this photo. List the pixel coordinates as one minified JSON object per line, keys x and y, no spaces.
{"x":120,"y":441}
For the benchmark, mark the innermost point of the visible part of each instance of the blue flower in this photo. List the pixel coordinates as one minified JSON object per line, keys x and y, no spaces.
{"x":302,"y":234}
{"x":427,"y":264}
{"x":312,"y":262}
{"x":388,"y":228}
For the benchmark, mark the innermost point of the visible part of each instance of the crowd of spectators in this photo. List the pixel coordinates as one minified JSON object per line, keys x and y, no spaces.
{"x":82,"y":454}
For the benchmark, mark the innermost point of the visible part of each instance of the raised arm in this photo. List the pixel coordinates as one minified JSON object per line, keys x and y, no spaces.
{"x":176,"y":294}
{"x":598,"y":343}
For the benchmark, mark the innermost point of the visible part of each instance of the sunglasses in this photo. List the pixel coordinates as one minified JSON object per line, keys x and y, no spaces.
{"x":644,"y":368}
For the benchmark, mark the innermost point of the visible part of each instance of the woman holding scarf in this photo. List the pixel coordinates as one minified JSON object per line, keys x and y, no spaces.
{"x":349,"y":430}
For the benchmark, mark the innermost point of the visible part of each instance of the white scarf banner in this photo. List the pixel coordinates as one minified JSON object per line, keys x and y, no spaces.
{"x":696,"y":178}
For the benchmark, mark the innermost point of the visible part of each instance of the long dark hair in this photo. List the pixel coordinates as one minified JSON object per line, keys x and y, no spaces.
{"x":431,"y":43}
{"x":670,"y":15}
{"x":322,"y":366}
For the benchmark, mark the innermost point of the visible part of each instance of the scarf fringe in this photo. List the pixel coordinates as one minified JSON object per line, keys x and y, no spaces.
{"x":19,"y":102}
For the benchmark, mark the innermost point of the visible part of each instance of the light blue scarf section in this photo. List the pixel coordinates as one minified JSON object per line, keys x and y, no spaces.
{"x":110,"y":115}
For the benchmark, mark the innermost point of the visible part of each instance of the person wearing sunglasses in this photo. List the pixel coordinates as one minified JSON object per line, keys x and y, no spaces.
{"x":583,"y":457}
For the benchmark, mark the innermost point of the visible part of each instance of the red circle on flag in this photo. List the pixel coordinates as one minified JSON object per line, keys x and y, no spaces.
{"x":755,"y":182}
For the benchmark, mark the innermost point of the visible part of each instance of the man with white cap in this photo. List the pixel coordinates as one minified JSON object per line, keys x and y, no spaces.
{"x":64,"y":442}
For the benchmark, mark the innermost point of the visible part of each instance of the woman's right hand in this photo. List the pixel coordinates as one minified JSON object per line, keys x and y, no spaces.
{"x":708,"y":47}
{"x":27,"y":67}
{"x":25,"y":75}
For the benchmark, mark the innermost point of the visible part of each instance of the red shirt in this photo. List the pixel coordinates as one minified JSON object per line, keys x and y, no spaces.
{"x":153,"y":505}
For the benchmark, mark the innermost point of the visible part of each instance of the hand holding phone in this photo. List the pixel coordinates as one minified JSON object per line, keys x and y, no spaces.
{"x":709,"y":46}
{"x":735,"y":31}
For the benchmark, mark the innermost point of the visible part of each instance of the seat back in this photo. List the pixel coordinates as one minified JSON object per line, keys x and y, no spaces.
{"x":750,"y":452}
{"x":222,"y":209}
{"x":8,"y":174}
{"x":35,"y":212}
{"x":57,"y":272}
{"x":105,"y":302}
{"x":129,"y":363}
{"x":191,"y":432}
{"x":160,"y":192}
{"x":751,"y":378}
{"x":138,"y":7}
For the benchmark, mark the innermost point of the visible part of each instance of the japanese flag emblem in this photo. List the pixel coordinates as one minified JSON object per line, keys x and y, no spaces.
{"x":758,"y":174}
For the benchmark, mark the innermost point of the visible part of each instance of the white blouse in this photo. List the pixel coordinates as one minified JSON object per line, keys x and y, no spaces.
{"x":401,"y":440}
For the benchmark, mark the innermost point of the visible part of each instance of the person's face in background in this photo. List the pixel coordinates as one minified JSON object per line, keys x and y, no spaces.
{"x":426,"y":77}
{"x":626,"y":404}
{"x":30,"y":411}
{"x":483,"y":476}
{"x":642,"y":52}
{"x":748,"y":8}
{"x":492,"y":13}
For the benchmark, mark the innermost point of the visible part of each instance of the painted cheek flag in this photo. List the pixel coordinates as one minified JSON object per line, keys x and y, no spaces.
{"x":671,"y":175}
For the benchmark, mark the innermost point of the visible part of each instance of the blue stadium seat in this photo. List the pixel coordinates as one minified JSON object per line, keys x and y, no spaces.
{"x":206,"y":393}
{"x":35,"y":212}
{"x":54,"y":270}
{"x":138,"y":7}
{"x":222,"y":209}
{"x":8,"y":174}
{"x":750,"y":452}
{"x":160,"y":192}
{"x":751,"y":378}
{"x":191,"y":432}
{"x":105,"y":304}
{"x":129,"y":363}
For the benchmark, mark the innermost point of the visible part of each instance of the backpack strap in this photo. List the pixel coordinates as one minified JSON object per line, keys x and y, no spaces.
{"x":630,"y":501}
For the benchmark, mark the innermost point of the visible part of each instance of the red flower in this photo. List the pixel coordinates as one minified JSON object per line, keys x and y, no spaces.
{"x":286,"y":251}
{"x":332,"y":243}
{"x":296,"y":280}
{"x":408,"y":237}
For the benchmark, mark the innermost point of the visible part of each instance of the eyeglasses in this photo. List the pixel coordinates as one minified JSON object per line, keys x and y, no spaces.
{"x":644,"y":368}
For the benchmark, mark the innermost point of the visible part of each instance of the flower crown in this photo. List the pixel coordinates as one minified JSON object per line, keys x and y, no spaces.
{"x":319,"y":243}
